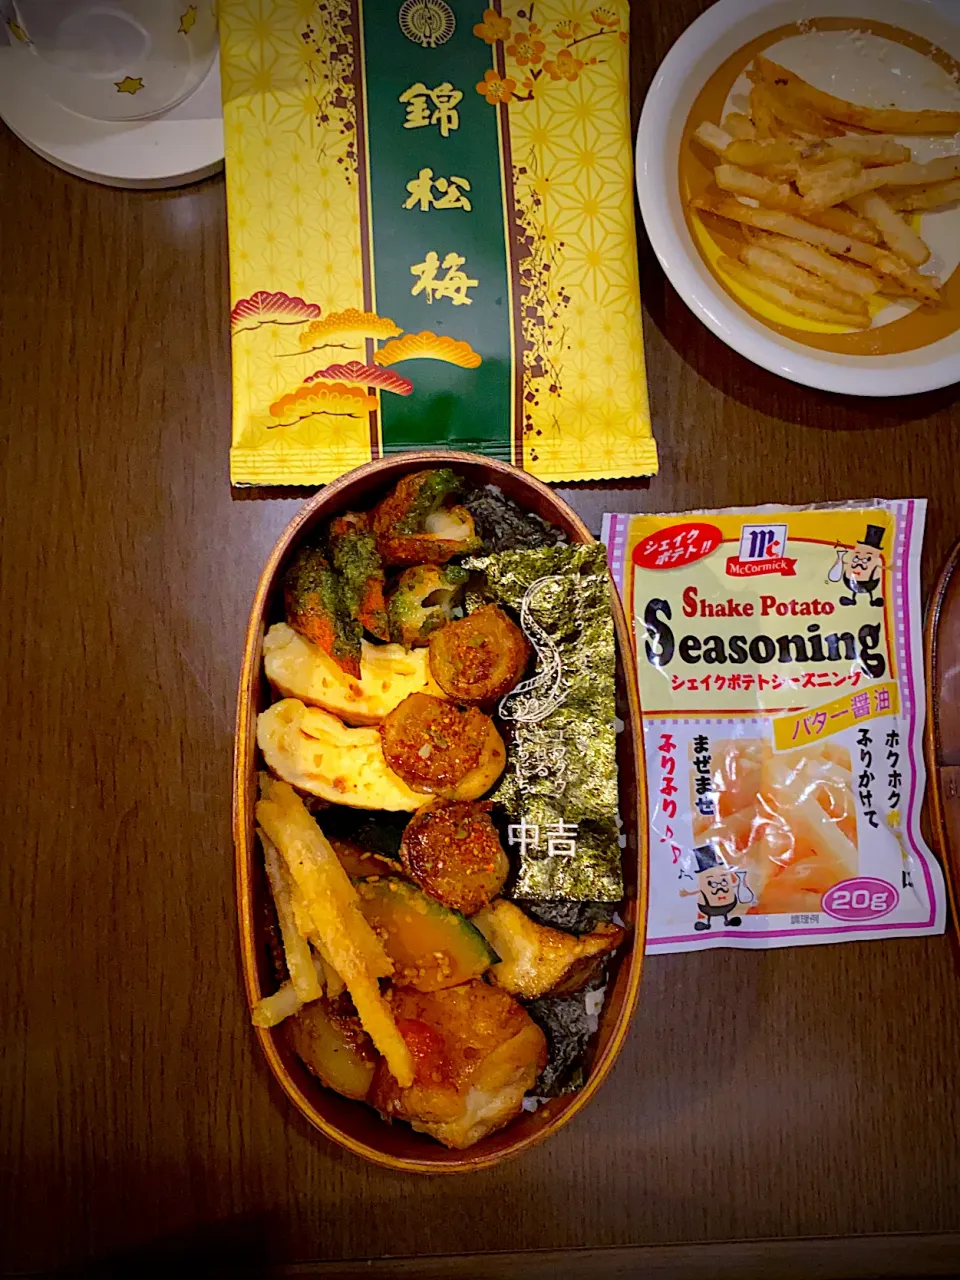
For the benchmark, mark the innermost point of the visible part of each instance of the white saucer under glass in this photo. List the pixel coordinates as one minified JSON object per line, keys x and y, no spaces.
{"x":123,"y":92}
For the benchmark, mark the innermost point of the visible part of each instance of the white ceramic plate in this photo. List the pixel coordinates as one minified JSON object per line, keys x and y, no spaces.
{"x":857,"y":64}
{"x":184,"y":144}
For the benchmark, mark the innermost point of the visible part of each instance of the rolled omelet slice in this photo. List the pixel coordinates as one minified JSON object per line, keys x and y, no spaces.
{"x":316,"y":752}
{"x":297,"y":668}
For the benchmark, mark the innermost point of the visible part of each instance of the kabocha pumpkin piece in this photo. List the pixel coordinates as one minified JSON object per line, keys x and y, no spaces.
{"x":439,"y":749}
{"x":315,"y":608}
{"x":479,"y":658}
{"x":431,"y":947}
{"x":353,"y":549}
{"x":316,"y":752}
{"x":451,"y":849}
{"x":330,"y":1041}
{"x":421,"y":602}
{"x":415,"y":523}
{"x":297,"y":668}
{"x":475,"y":1051}
{"x":535,"y":959}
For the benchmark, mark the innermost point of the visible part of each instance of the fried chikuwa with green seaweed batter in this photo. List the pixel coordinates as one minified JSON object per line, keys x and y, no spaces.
{"x":416,"y":523}
{"x":353,"y":548}
{"x":315,"y":608}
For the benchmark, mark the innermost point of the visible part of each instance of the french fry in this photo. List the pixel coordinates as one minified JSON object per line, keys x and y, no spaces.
{"x":270,"y":1011}
{"x":890,"y":287}
{"x":761,"y":153}
{"x":847,"y":277}
{"x":324,"y":886}
{"x":901,"y":238}
{"x":326,"y":973}
{"x":867,"y":149}
{"x":738,"y":125}
{"x":770,"y":264}
{"x":908,"y":281}
{"x":741,"y":182}
{"x":789,"y":300}
{"x":347,"y":940}
{"x":735,"y":828}
{"x":913,"y":173}
{"x":296,"y":949}
{"x":786,"y":224}
{"x":712,"y":137}
{"x":332,"y":981}
{"x":825,"y":184}
{"x":794,"y":795}
{"x":921,"y":199}
{"x":926,"y":288}
{"x":846,"y":223}
{"x":794,"y":113}
{"x":885,"y":120}
{"x":781,"y":130}
{"x":761,"y":113}
{"x":795,"y":835}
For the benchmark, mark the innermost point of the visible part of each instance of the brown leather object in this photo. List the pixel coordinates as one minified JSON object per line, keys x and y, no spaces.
{"x":942,"y":735}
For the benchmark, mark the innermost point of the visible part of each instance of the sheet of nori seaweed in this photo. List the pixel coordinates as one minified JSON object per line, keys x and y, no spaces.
{"x":561,"y":755}
{"x":504,"y":526}
{"x":568,"y":1028}
{"x":574,"y":917}
{"x":377,"y":832}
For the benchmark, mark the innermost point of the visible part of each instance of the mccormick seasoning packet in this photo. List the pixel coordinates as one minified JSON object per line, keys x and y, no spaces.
{"x":781,"y":681}
{"x":431,"y":227}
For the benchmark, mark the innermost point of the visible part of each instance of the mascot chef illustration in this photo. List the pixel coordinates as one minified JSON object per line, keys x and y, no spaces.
{"x":717,"y":890}
{"x":861,"y":569}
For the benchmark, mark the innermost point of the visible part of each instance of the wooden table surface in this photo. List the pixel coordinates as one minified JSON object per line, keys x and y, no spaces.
{"x":778,"y":1097}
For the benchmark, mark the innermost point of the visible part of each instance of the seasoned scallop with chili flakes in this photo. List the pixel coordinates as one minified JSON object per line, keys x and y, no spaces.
{"x":452,"y":850}
{"x":479,"y":658}
{"x":440,"y":749}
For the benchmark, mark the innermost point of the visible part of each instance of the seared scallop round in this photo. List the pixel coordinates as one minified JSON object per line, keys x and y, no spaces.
{"x":442,"y":749}
{"x":452,"y":850}
{"x":479,"y":658}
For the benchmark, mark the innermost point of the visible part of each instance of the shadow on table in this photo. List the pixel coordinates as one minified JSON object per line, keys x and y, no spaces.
{"x":757,"y":389}
{"x":261,"y":493}
{"x":269,"y":492}
{"x":233,"y":1247}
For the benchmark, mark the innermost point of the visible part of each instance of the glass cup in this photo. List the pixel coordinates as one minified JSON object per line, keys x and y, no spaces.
{"x":115,"y":59}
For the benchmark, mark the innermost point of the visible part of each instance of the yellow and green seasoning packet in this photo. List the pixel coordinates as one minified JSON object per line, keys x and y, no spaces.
{"x":431,"y":236}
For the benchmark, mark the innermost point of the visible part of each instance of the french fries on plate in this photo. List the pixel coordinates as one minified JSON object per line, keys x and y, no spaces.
{"x":838,"y":109}
{"x":790,"y":301}
{"x":824,"y":213}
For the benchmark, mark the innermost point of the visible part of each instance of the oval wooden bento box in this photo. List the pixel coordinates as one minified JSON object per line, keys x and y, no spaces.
{"x":352,"y":1124}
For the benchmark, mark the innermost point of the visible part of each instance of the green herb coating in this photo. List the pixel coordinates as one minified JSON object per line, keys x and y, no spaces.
{"x":435,"y":488}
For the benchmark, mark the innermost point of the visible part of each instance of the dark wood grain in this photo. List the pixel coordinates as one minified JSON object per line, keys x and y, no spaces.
{"x":806,"y":1092}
